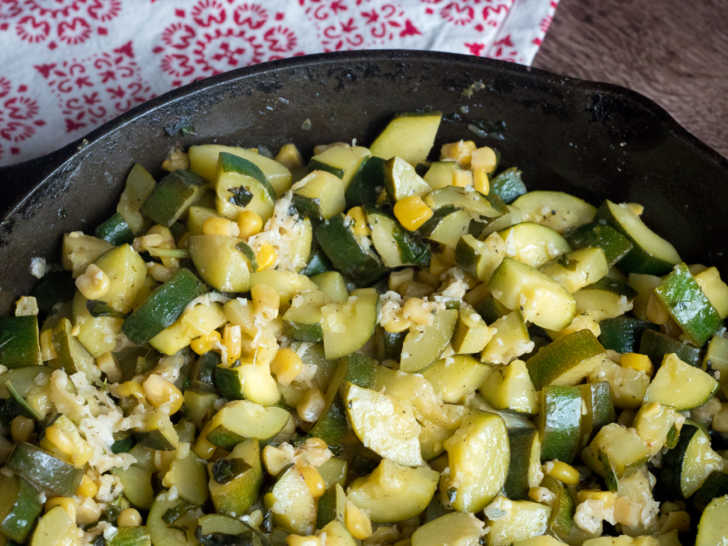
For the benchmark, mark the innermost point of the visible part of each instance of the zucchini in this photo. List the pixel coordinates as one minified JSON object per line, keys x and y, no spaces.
{"x":533,"y":244}
{"x":656,"y":345}
{"x":341,"y":161}
{"x":23,"y":379}
{"x":615,"y":245}
{"x":98,"y":334}
{"x":383,"y":425}
{"x":163,"y":306}
{"x":367,"y":182}
{"x":235,"y":480}
{"x":126,"y":271}
{"x":45,"y":471}
{"x":515,"y":520}
{"x":559,"y":422}
{"x":680,"y":385}
{"x":561,"y":520}
{"x":686,"y":466}
{"x":158,"y":433}
{"x":423,"y":344}
{"x":131,"y":536}
{"x":346,"y":327}
{"x":456,"y":528}
{"x":393,"y":492}
{"x":250,"y":380}
{"x":446,"y":226}
{"x":508,"y":184}
{"x":566,"y":360}
{"x":480,"y":258}
{"x":472,"y":334}
{"x":650,"y":253}
{"x":291,"y":503}
{"x":409,"y":136}
{"x":510,"y":341}
{"x":578,"y":268}
{"x":541,"y":300}
{"x":303,"y":317}
{"x":440,"y":174}
{"x":401,"y":180}
{"x":333,"y":284}
{"x":195,"y":321}
{"x":714,"y":289}
{"x":19,"y":342}
{"x":715,"y":358}
{"x":715,"y":485}
{"x":319,"y":195}
{"x":455,"y":377}
{"x":70,"y":354}
{"x":55,"y":528}
{"x":598,"y":408}
{"x":623,"y":334}
{"x":196,"y":217}
{"x":20,"y":505}
{"x":415,"y":390}
{"x":139,"y":185}
{"x":286,"y":283}
{"x":601,"y":303}
{"x":644,"y":285}
{"x":524,"y":470}
{"x":473,"y":202}
{"x":159,"y":530}
{"x":136,"y":479}
{"x":241,"y":419}
{"x":658,"y":426}
{"x":204,"y":161}
{"x":222,"y":261}
{"x":241,"y":185}
{"x":510,"y":387}
{"x":346,"y":253}
{"x":199,"y":405}
{"x":114,"y":230}
{"x":395,"y":245}
{"x":478,"y":454}
{"x":713,"y":524}
{"x":614,"y":451}
{"x":688,"y":305}
{"x":218,"y":530}
{"x":80,"y":250}
{"x":317,"y":263}
{"x":628,"y":385}
{"x":172,"y":196}
{"x":556,"y":210}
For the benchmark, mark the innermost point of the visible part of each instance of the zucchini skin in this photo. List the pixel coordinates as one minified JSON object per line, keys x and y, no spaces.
{"x":656,"y":345}
{"x":44,"y":470}
{"x":19,"y":342}
{"x":615,"y":245}
{"x":560,"y":423}
{"x":622,"y":334}
{"x":115,"y":230}
{"x":669,"y":481}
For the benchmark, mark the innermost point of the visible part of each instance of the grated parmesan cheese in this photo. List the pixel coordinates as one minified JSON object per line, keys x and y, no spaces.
{"x":38,"y":267}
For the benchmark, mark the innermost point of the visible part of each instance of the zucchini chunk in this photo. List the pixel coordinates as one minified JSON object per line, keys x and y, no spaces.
{"x":346,"y":327}
{"x":480,"y":258}
{"x":515,"y":520}
{"x":714,"y":289}
{"x":198,"y":320}
{"x":55,"y":528}
{"x":533,"y":244}
{"x":20,"y":506}
{"x":45,"y":471}
{"x":578,"y":268}
{"x":409,"y":136}
{"x":455,"y":377}
{"x":423,"y":344}
{"x":242,"y":419}
{"x":303,"y":317}
{"x":159,"y":530}
{"x":657,"y":345}
{"x":456,"y":528}
{"x":599,"y":407}
{"x":556,"y":210}
{"x":138,"y":186}
{"x":401,"y":180}
{"x":473,"y":202}
{"x":510,"y":387}
{"x":680,"y":385}
{"x":524,"y":470}
{"x":566,"y":360}
{"x":127,"y":272}
{"x":19,"y":342}
{"x":615,"y":450}
{"x":472,"y":334}
{"x":341,"y":161}
{"x":395,"y":245}
{"x":291,"y":503}
{"x":623,"y":334}
{"x":615,"y":245}
{"x":240,"y":185}
{"x":235,"y":480}
{"x":510,"y":341}
{"x":114,"y":230}
{"x":172,"y":196}
{"x":366,"y":183}
{"x":319,"y":195}
{"x":713,"y":525}
{"x":446,"y":226}
{"x":222,"y":261}
{"x":559,"y":422}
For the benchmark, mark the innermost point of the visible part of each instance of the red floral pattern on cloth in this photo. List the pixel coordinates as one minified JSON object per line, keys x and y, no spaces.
{"x":70,"y":65}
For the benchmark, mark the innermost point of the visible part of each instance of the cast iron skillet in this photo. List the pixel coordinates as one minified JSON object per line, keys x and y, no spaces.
{"x":594,"y":140}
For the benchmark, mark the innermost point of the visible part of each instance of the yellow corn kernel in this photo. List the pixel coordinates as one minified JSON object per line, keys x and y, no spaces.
{"x":315,"y":443}
{"x":47,"y":350}
{"x":462,"y":178}
{"x":299,"y":540}
{"x":286,"y":366}
{"x":87,"y":487}
{"x":412,"y":212}
{"x":311,"y":405}
{"x":637,"y":361}
{"x":359,"y":222}
{"x":481,"y":182}
{"x":93,"y":283}
{"x":417,"y":311}
{"x":357,"y":522}
{"x":607,"y":497}
{"x":484,"y":158}
{"x":396,"y":324}
{"x":57,"y":438}
{"x":176,"y":160}
{"x":540,"y":494}
{"x":249,"y":223}
{"x":289,"y":156}
{"x":205,"y":344}
{"x":162,"y":393}
{"x":67,"y":503}
{"x":130,"y":517}
{"x":460,"y":151}
{"x":232,"y":340}
{"x":313,"y":479}
{"x":21,"y":428}
{"x":266,"y":256}
{"x":88,"y":511}
{"x":150,"y":240}
{"x":266,"y":300}
{"x":130,"y":388}
{"x":637,"y":208}
{"x":561,"y":471}
{"x":26,"y":306}
{"x":215,"y":225}
{"x":107,"y":364}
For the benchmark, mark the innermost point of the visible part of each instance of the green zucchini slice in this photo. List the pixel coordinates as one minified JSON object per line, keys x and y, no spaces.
{"x":235,"y":480}
{"x":615,"y":450}
{"x":680,"y":385}
{"x":319,"y":195}
{"x":560,"y":422}
{"x":346,"y":327}
{"x":477,"y":204}
{"x":615,"y":245}
{"x":409,"y":136}
{"x":240,"y":184}
{"x":242,"y":419}
{"x":557,"y":210}
{"x":221,"y":262}
{"x":508,"y":184}
{"x":341,"y":161}
{"x":115,"y":230}
{"x":566,"y":360}
{"x":20,"y":505}
{"x":19,"y":342}
{"x":686,"y":467}
{"x":172,"y":196}
{"x":395,"y":245}
{"x":623,"y":334}
{"x":401,"y":180}
{"x":423,"y":344}
{"x":524,"y":470}
{"x":45,"y":471}
{"x":533,"y":244}
{"x":713,"y":524}
{"x":656,"y":345}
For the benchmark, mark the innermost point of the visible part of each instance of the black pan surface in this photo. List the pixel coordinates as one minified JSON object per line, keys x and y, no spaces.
{"x":592,"y":139}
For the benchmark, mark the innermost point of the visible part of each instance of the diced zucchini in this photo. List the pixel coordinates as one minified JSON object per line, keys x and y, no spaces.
{"x":601,"y":303}
{"x":455,"y":377}
{"x":291,"y":503}
{"x":686,"y":466}
{"x":55,"y":528}
{"x":196,"y":321}
{"x":644,"y":285}
{"x":560,"y":422}
{"x":45,"y":471}
{"x":80,"y":250}
{"x":510,"y":341}
{"x":250,"y":380}
{"x":126,"y":271}
{"x":98,"y":334}
{"x":303,"y":317}
{"x":628,"y":385}
{"x":136,"y":480}
{"x":516,"y":520}
{"x":159,"y":530}
{"x":414,"y":390}
{"x":393,"y":492}
{"x":508,"y":184}
{"x":714,"y":289}
{"x":286,"y":283}
{"x":578,"y":268}
{"x":446,"y":226}
{"x":19,"y":342}
{"x":70,"y":354}
{"x":651,"y":253}
{"x":612,"y":242}
{"x":333,"y":284}
{"x":196,"y":216}
{"x":172,"y":196}
{"x":131,"y":536}
{"x":242,"y":419}
{"x":623,"y":334}
{"x":395,"y":245}
{"x":409,"y":136}
{"x":189,"y":475}
{"x":713,"y":525}
{"x":23,"y":379}
{"x":383,"y":425}
{"x":524,"y":470}
{"x":341,"y":161}
{"x":346,"y":327}
{"x":480,"y":258}
{"x":566,"y":360}
{"x":367,"y":182}
{"x":423,"y":344}
{"x":454,"y":528}
{"x":139,"y":185}
{"x":478,"y":455}
{"x":656,"y":345}
{"x":510,"y":387}
{"x":240,"y":185}
{"x":533,"y":244}
{"x":540,"y":299}
{"x":613,"y":451}
{"x":158,"y":433}
{"x":473,"y":202}
{"x":319,"y":195}
{"x":680,"y":385}
{"x":20,"y":505}
{"x":439,"y":174}
{"x":599,"y":408}
{"x":557,"y":210}
{"x":688,"y":305}
{"x":472,"y":334}
{"x":401,"y":180}
{"x":221,"y":262}
{"x":238,"y":487}
{"x":657,"y":425}
{"x":115,"y":230}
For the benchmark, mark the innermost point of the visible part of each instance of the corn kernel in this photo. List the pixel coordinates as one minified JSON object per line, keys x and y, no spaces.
{"x":176,"y":160}
{"x":359,"y":222}
{"x":266,"y":300}
{"x":58,"y":439}
{"x":298,"y":540}
{"x":637,"y":361}
{"x":460,"y":151}
{"x":249,"y":223}
{"x":412,"y":212}
{"x":150,"y":240}
{"x":215,"y":225}
{"x":107,"y":364}
{"x":417,"y":311}
{"x":311,"y":405}
{"x":93,"y":283}
{"x":266,"y":256}
{"x":561,"y":471}
{"x":357,"y":522}
{"x":26,"y":306}
{"x":130,"y":517}
{"x":289,"y":156}
{"x":315,"y":443}
{"x":462,"y":178}
{"x":130,"y":388}
{"x":88,"y":511}
{"x":541,"y":494}
{"x":313,"y":479}
{"x":286,"y":366}
{"x":484,"y":158}
{"x":481,"y":182}
{"x":87,"y":487}
{"x":162,"y":394}
{"x":232,"y":340}
{"x":396,"y":324}
{"x":67,"y":503}
{"x":21,"y":428}
{"x":275,"y":459}
{"x":205,"y":344}
{"x":203,"y":448}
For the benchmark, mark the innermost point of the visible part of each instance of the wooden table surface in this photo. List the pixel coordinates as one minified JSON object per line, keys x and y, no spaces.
{"x":673,"y":51}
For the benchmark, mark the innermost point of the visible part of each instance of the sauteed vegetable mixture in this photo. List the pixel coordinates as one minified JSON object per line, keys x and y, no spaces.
{"x":365,"y":347}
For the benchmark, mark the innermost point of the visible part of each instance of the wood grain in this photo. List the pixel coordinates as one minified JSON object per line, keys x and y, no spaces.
{"x":674,"y":52}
